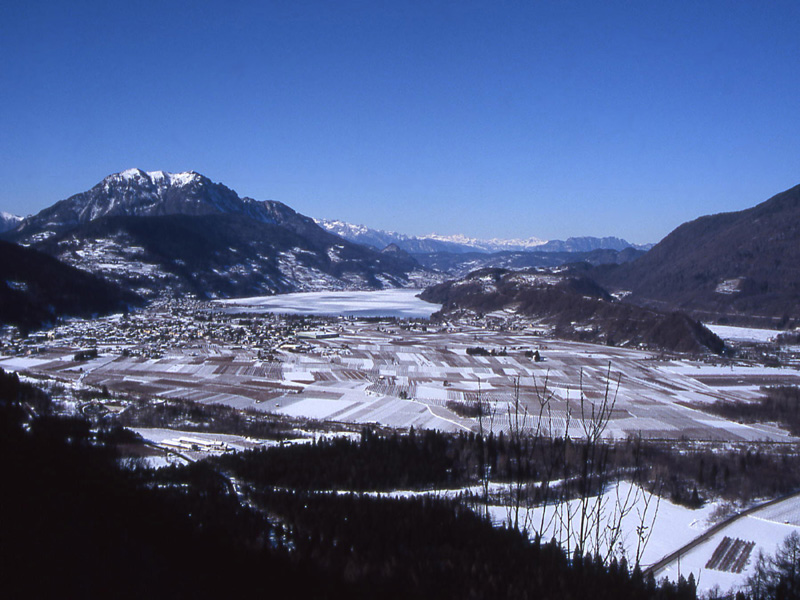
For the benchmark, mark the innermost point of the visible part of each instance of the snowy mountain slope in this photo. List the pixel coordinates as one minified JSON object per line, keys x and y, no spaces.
{"x":8,"y":221}
{"x":170,"y":233}
{"x":135,"y":193}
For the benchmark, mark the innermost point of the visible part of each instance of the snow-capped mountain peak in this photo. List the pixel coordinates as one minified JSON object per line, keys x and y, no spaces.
{"x":8,"y":221}
{"x":157,"y":177}
{"x":136,"y":193}
{"x":128,"y":174}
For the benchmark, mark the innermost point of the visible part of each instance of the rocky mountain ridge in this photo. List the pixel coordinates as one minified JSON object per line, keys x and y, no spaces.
{"x":164,"y":233}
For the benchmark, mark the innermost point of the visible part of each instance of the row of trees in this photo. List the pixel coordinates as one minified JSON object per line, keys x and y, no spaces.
{"x":779,"y":404}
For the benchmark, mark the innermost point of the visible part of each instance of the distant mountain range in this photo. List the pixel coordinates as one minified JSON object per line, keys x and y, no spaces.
{"x":461,"y":244}
{"x":182,"y":233}
{"x":736,"y":264}
{"x":460,"y":264}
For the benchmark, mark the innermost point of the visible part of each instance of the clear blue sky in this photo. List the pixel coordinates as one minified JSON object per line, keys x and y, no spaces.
{"x":492,"y":119}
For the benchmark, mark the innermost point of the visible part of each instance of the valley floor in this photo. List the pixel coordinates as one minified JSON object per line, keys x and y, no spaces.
{"x":403,"y":374}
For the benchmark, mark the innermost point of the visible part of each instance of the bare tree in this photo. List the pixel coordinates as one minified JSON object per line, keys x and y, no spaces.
{"x":519,"y":445}
{"x":484,"y":409}
{"x":577,"y":504}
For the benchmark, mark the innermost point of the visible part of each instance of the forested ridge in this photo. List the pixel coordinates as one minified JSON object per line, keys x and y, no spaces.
{"x":755,"y":250}
{"x":576,"y":307}
{"x":425,"y":460}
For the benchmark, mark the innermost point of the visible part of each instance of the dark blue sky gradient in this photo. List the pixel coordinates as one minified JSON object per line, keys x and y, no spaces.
{"x":492,"y":119}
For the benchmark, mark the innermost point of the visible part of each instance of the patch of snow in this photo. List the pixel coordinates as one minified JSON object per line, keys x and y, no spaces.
{"x":730,"y":286}
{"x":624,"y":508}
{"x":401,"y":303}
{"x":315,"y":408}
{"x":743,"y":334}
{"x":129,"y":174}
{"x":22,"y":363}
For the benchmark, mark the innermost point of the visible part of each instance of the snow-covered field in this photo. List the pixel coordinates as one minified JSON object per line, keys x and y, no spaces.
{"x":407,"y":375}
{"x":624,"y":509}
{"x":19,"y":363}
{"x":402,"y":303}
{"x":669,"y":527}
{"x":356,"y":405}
{"x":234,"y":442}
{"x":628,"y":511}
{"x":743,"y":334}
{"x":764,"y":529}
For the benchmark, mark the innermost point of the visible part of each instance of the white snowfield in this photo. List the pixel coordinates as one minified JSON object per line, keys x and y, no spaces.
{"x":21,"y":363}
{"x":640,"y":525}
{"x":763,"y":531}
{"x":401,"y":303}
{"x":625,"y":511}
{"x":743,"y":334}
{"x":178,"y":179}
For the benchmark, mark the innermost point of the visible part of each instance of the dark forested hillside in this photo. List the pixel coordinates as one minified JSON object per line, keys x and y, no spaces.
{"x":577,"y":307}
{"x":36,"y":289}
{"x":745,"y":262}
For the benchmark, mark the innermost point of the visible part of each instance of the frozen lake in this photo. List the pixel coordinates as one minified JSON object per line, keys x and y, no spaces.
{"x":400,"y":303}
{"x":743,"y":334}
